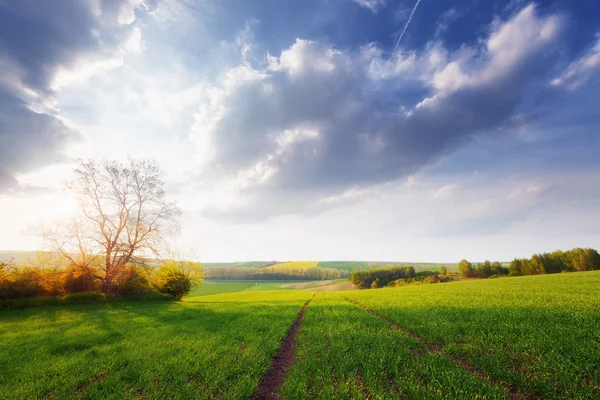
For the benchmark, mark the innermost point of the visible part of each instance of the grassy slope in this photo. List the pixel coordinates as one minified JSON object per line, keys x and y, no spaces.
{"x":296,"y":264}
{"x":217,"y":348}
{"x":241,"y":264}
{"x":210,"y":287}
{"x":345,"y":352}
{"x":539,"y":333}
{"x":343,"y":265}
{"x":351,"y":266}
{"x":16,"y":255}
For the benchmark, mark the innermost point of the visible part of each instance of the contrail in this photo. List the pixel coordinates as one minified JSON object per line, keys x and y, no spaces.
{"x":407,"y":23}
{"x":412,"y":13}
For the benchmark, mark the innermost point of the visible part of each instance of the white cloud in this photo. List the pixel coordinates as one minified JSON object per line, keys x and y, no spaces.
{"x":580,"y":70}
{"x":373,"y":5}
{"x":446,"y":191}
{"x":320,"y":121}
{"x":305,"y":57}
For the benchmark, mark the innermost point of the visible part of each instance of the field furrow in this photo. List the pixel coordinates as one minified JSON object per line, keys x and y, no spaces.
{"x":271,"y":381}
{"x":214,"y":349}
{"x":528,"y":332}
{"x":347,"y":353}
{"x":512,"y":391}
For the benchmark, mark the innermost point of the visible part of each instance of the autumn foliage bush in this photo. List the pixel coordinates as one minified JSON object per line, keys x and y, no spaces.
{"x":49,"y":275}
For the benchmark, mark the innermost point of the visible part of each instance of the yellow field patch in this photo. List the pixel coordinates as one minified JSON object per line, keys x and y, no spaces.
{"x":296,"y":264}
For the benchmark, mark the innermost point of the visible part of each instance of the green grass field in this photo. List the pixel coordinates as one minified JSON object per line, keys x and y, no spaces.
{"x":526,"y":337}
{"x":214,"y":348}
{"x":217,"y":286}
{"x":242,"y":264}
{"x":351,"y":266}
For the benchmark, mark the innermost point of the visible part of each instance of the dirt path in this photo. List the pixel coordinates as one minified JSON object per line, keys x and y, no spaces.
{"x":511,"y":390}
{"x":271,"y":381}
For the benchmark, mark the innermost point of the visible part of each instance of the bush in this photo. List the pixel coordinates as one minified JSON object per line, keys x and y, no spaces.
{"x":29,"y":303}
{"x":136,"y":283}
{"x":175,"y":283}
{"x":81,"y":279}
{"x":21,"y":283}
{"x":83,"y":298}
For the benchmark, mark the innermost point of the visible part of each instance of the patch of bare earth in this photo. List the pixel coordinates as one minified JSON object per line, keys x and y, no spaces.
{"x":306,"y":285}
{"x":272,"y":380}
{"x":336,"y":287}
{"x":512,"y":391}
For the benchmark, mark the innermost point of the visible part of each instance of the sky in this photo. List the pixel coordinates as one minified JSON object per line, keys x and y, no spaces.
{"x":396,"y":130}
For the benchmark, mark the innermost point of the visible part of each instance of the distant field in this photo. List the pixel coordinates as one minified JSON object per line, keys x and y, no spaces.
{"x":242,"y":264}
{"x":341,"y":265}
{"x":210,"y":287}
{"x":296,"y":264}
{"x":351,"y":266}
{"x":219,"y":286}
{"x":506,"y":338}
{"x":15,"y":255}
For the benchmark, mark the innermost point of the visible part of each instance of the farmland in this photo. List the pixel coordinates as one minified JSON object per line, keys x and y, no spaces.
{"x":216,"y":348}
{"x":210,"y":287}
{"x":351,"y":266}
{"x":523,"y":337}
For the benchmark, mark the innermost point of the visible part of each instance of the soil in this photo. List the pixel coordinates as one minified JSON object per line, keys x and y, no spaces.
{"x":271,"y":381}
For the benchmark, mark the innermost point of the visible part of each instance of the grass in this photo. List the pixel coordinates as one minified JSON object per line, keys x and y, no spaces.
{"x":351,"y":266}
{"x":210,"y":287}
{"x":215,"y":348}
{"x":242,"y":264}
{"x":345,"y":352}
{"x":219,"y":286}
{"x":539,"y":335}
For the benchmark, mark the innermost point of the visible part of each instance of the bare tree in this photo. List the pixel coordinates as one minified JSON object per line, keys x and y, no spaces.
{"x":123,"y":213}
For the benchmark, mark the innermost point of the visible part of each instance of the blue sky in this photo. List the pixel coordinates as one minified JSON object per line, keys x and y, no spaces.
{"x":315,"y":129}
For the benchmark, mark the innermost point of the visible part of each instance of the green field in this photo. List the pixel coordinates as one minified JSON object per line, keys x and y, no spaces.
{"x":216,"y":348}
{"x":216,"y":286}
{"x":241,"y":264}
{"x":525,"y":337}
{"x":342,"y":265}
{"x":351,"y":266}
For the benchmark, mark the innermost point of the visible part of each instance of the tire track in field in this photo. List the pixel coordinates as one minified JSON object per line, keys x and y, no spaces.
{"x":272,"y":380}
{"x":512,"y":391}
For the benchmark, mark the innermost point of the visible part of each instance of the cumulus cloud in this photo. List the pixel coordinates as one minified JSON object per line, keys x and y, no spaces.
{"x":44,"y":46}
{"x":316,"y":122}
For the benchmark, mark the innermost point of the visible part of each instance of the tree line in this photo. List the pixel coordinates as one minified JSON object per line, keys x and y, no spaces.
{"x":377,"y":278}
{"x":482,"y":270}
{"x":274,"y":273}
{"x":577,"y":259}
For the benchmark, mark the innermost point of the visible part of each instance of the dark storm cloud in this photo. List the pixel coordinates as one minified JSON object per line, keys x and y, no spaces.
{"x":37,"y":39}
